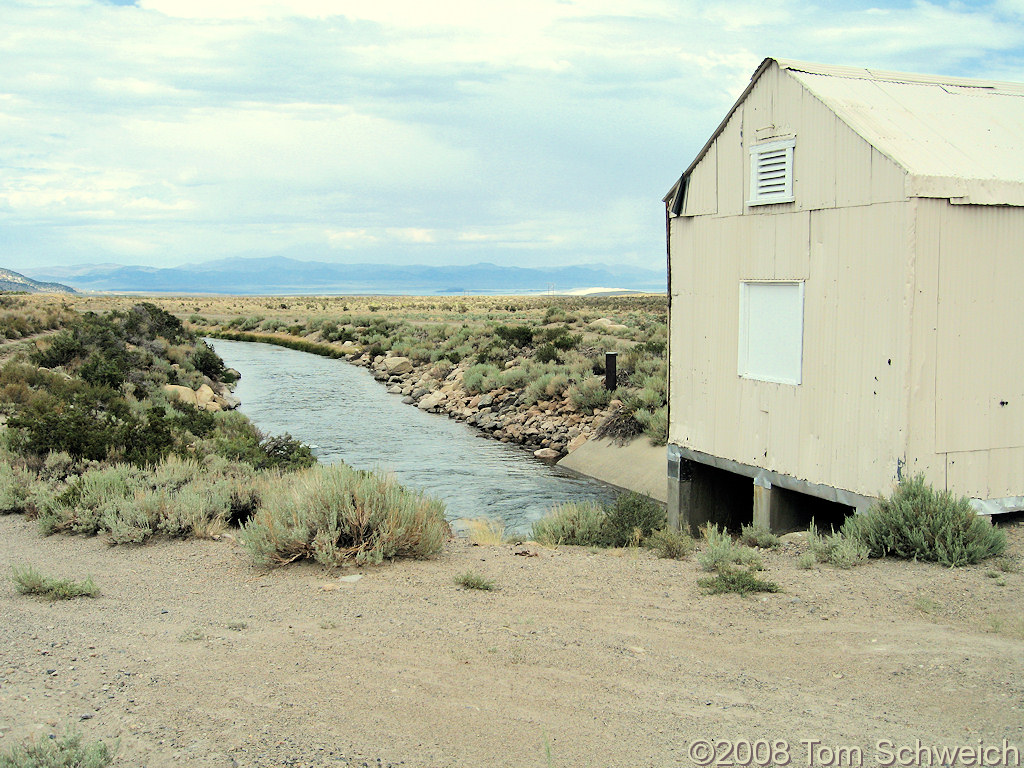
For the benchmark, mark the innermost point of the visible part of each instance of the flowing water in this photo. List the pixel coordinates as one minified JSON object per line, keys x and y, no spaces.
{"x":346,"y":415}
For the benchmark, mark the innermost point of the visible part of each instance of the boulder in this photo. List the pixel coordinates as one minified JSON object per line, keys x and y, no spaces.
{"x":204,"y":395}
{"x":607,"y":324}
{"x":184,"y":394}
{"x":396,"y":366}
{"x":431,"y":401}
{"x":546,"y":453}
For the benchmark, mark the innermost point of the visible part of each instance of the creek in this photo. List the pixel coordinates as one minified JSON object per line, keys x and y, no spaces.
{"x":344,"y":414}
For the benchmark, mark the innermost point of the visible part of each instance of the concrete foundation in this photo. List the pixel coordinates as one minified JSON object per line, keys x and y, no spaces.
{"x":700,"y":493}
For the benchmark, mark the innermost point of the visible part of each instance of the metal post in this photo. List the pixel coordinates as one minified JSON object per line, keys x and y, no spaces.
{"x":610,"y":378}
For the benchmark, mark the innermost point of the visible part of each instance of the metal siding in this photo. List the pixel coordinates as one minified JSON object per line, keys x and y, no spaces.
{"x":980,"y":339}
{"x":702,"y":186}
{"x":960,"y":141}
{"x":920,"y":454}
{"x":733,"y":173}
{"x":816,"y":171}
{"x":954,"y":138}
{"x":1005,"y":475}
{"x":929,"y":285}
{"x":888,"y":180}
{"x":830,"y":429}
{"x":839,"y":426}
{"x":853,"y":168}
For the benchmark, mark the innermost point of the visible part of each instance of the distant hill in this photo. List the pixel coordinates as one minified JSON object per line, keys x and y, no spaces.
{"x":280,"y":275}
{"x":14,"y":281}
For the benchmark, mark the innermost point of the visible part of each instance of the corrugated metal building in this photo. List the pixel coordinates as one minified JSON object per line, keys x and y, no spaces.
{"x":846,"y":255}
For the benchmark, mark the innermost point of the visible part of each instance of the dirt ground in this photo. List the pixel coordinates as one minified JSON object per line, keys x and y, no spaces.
{"x":191,"y":657}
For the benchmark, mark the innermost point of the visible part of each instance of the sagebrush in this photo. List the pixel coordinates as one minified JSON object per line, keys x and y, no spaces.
{"x":29,"y":581}
{"x":67,"y":751}
{"x":628,"y":520}
{"x":737,"y":580}
{"x":918,"y":522}
{"x":335,"y":514}
{"x":474,"y":580}
{"x":720,"y":551}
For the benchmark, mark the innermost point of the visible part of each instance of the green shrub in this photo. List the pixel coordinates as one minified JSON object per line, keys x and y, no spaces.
{"x":474,"y":580}
{"x":806,"y":561}
{"x":545,"y":386}
{"x":206,"y":361}
{"x":720,"y":552}
{"x":480,"y":378}
{"x":286,"y":453}
{"x":176,"y":498}
{"x":669,"y":543}
{"x":63,"y":347}
{"x":334,"y":514}
{"x":917,"y":522}
{"x":237,"y":439}
{"x":546,"y":353}
{"x":580,"y":523}
{"x":735,"y":580}
{"x":654,"y":423}
{"x":563,"y":340}
{"x":514,"y":378}
{"x":630,"y":519}
{"x":14,"y":488}
{"x":66,"y":751}
{"x":836,"y":549}
{"x":29,"y":581}
{"x":590,"y":395}
{"x":758,"y":536}
{"x":516,"y":335}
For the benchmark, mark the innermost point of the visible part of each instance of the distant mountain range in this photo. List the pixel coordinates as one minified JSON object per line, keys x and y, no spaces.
{"x":280,"y":275}
{"x":15,"y":281}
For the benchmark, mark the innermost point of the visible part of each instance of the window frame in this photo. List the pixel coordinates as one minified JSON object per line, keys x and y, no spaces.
{"x":757,"y":153}
{"x":743,"y":366}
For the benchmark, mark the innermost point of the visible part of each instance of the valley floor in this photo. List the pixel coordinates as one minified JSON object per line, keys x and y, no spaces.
{"x":191,"y":657}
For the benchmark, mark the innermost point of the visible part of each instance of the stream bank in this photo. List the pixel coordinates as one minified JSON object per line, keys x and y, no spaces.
{"x":552,"y":429}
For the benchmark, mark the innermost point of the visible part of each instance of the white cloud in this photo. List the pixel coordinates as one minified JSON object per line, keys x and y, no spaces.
{"x":543,"y":131}
{"x":412,"y":235}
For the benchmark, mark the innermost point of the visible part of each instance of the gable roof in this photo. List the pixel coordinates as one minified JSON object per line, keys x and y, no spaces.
{"x":956,"y":138}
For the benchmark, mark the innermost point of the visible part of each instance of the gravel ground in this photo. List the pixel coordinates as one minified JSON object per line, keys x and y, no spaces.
{"x":191,"y":657}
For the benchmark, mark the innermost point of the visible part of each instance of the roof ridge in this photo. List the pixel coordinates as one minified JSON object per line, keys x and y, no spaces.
{"x":866,"y":73}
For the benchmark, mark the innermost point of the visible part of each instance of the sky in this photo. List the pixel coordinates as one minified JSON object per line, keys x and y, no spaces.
{"x":527,"y":133}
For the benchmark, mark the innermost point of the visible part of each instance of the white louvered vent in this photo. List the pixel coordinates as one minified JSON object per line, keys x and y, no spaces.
{"x":771,"y":172}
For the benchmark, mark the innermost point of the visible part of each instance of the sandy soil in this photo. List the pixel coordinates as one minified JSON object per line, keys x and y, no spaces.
{"x":191,"y":657}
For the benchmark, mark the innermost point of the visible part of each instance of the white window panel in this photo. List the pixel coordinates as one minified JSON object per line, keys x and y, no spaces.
{"x":771,"y":172}
{"x":771,"y":331}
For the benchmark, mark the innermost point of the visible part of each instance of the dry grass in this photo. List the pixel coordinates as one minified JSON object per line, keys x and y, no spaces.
{"x":474,"y":580}
{"x":29,"y":581}
{"x":484,"y":532}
